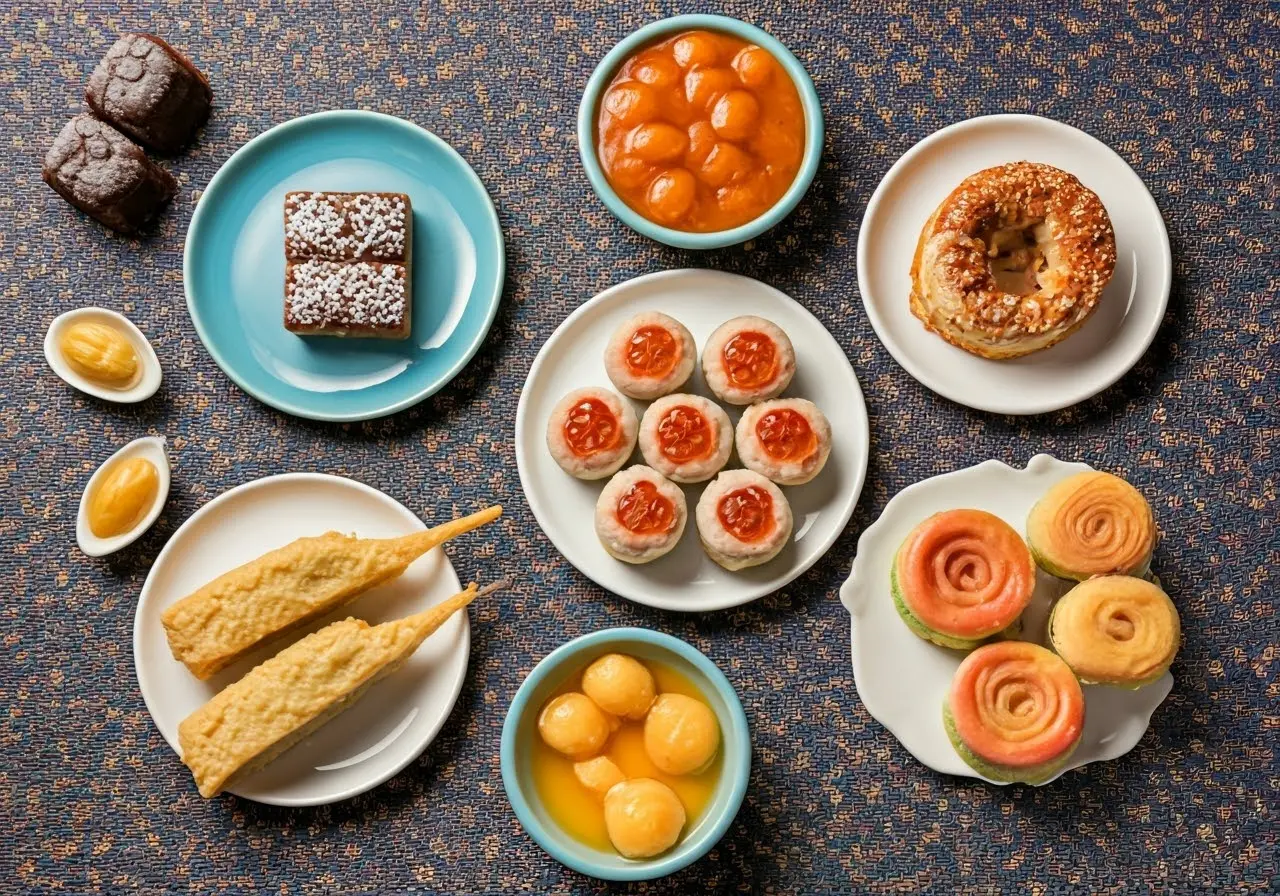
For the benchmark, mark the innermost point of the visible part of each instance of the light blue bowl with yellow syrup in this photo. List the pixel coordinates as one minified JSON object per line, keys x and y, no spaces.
{"x":521,"y":729}
{"x":599,"y":82}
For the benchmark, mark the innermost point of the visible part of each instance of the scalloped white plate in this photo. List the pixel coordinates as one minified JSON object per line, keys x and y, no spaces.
{"x":902,"y":679}
{"x":1108,"y":344}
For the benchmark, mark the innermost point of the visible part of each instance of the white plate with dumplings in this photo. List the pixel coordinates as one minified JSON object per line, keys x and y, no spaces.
{"x":686,"y":578}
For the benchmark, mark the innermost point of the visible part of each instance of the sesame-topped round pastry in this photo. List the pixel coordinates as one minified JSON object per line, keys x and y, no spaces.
{"x":748,"y":359}
{"x":1116,"y":630}
{"x":787,"y":439}
{"x":1014,"y":712}
{"x":591,"y":432}
{"x":1092,"y":524}
{"x":1014,"y":260}
{"x":686,"y":438}
{"x":650,"y":355}
{"x":743,"y":519}
{"x":960,"y":577}
{"x":640,"y":515}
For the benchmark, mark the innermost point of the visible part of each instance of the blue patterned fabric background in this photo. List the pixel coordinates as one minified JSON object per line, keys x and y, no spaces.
{"x":93,"y":800}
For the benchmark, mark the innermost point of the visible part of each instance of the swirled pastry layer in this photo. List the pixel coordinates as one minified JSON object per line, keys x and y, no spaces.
{"x":1015,"y":712}
{"x":1116,"y":630}
{"x":1014,"y":260}
{"x":962,"y":576}
{"x":1092,"y":524}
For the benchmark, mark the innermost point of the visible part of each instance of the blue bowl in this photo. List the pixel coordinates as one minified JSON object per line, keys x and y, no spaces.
{"x":600,"y":78}
{"x":521,"y":727}
{"x":233,"y":269}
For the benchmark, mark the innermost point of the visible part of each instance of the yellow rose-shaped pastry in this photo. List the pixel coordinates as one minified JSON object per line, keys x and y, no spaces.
{"x":1092,"y":524}
{"x":1116,"y":630}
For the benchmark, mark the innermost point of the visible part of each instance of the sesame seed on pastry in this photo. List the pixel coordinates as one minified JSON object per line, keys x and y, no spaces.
{"x":1014,"y":260}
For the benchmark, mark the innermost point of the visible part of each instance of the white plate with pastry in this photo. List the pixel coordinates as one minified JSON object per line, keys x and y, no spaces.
{"x":625,"y":420}
{"x":903,"y":679}
{"x":396,"y":719}
{"x":1014,"y":288}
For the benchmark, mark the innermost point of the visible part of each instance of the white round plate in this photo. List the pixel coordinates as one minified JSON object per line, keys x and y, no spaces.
{"x":902,"y":679}
{"x":686,"y":579}
{"x":390,"y":725}
{"x":1082,"y":365}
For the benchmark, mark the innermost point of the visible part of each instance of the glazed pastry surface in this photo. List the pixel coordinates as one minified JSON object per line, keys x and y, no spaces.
{"x":1092,"y":524}
{"x":1015,"y":712}
{"x":1014,"y":260}
{"x":591,"y":432}
{"x":960,"y":577}
{"x":1116,"y":630}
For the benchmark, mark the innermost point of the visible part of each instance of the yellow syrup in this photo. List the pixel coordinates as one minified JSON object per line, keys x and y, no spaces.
{"x":578,"y":811}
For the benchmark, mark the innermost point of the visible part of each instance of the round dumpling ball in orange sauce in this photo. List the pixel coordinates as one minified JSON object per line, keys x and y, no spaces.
{"x":644,"y":817}
{"x":701,"y":131}
{"x":703,"y":86}
{"x":620,"y":684}
{"x":681,"y":734}
{"x":574,"y":725}
{"x":671,"y":195}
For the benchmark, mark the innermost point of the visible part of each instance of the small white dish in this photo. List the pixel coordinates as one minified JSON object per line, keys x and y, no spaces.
{"x":902,"y":679}
{"x":150,"y":448}
{"x":392,"y":724}
{"x":1085,"y":363}
{"x":687,"y":579}
{"x":144,"y":385}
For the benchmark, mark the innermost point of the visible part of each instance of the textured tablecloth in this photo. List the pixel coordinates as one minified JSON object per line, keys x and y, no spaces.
{"x":91,"y":797}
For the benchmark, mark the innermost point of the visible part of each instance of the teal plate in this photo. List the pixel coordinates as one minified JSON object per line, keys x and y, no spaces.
{"x":233,"y":268}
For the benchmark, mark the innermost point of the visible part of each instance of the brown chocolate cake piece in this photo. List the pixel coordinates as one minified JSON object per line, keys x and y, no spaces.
{"x":150,"y":91}
{"x":106,"y":175}
{"x":348,"y":226}
{"x":347,"y":298}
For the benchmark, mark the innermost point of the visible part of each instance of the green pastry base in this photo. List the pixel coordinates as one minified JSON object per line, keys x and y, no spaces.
{"x":1061,"y":572}
{"x":1125,"y":684}
{"x":1035,"y":774}
{"x":933,"y":635}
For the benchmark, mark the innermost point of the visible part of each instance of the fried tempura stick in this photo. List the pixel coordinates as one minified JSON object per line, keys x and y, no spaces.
{"x":280,"y":702}
{"x":265,"y":598}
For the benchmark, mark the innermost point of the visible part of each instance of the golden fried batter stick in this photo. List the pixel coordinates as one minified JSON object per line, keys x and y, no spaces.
{"x":289,"y":696}
{"x":268,"y":597}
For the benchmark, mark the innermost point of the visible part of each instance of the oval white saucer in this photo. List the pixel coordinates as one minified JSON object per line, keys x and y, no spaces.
{"x":902,"y":679}
{"x":1088,"y":361}
{"x":399,"y":716}
{"x":686,"y":579}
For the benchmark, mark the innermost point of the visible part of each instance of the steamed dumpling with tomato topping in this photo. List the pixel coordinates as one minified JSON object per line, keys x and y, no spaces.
{"x":591,"y":432}
{"x":748,"y":359}
{"x":686,"y":438}
{"x":743,"y":519}
{"x":787,"y":440}
{"x":650,"y":355}
{"x":640,"y":515}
